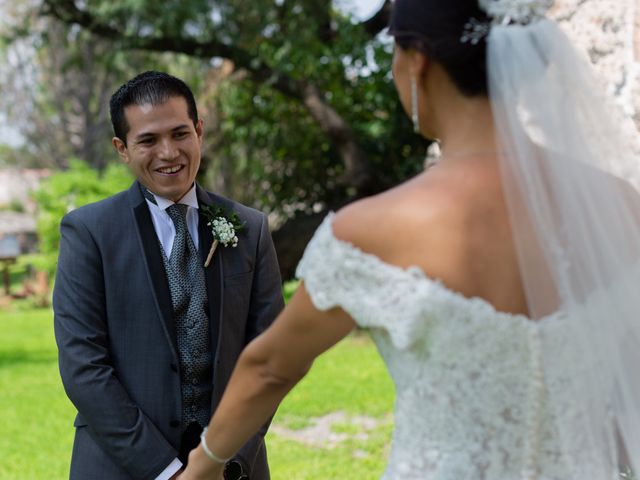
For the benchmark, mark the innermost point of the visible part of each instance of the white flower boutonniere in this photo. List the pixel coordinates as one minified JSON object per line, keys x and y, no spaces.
{"x":224,"y":227}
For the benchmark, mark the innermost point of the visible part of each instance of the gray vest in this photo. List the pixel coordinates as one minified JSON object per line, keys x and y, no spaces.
{"x":191,"y":314}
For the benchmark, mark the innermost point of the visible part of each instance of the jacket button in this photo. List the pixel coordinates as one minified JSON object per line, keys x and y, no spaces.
{"x":174,"y":423}
{"x":174,"y":367}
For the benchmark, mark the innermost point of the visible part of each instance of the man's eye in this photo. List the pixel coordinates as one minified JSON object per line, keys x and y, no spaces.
{"x":146,"y":141}
{"x":181,"y":134}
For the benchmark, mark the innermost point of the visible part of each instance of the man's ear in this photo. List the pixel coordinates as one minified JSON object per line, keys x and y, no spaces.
{"x":121,"y":148}
{"x":200,"y":129}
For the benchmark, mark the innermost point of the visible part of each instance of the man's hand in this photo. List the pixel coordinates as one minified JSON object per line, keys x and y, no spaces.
{"x":177,"y":475}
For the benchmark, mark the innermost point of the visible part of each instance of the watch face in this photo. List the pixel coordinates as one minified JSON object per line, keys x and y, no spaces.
{"x":233,"y":471}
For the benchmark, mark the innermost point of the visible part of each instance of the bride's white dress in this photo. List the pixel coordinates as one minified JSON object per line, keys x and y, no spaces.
{"x":471,"y":394}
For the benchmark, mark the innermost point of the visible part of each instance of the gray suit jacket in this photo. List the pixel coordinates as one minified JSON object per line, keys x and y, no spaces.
{"x":117,"y":340}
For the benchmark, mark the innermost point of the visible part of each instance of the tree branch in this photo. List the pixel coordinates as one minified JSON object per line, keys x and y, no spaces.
{"x":358,"y":169}
{"x":321,"y":10}
{"x":67,"y":12}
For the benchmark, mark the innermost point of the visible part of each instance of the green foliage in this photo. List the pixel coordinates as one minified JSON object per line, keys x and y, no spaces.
{"x":71,"y":74}
{"x":64,"y":191}
{"x":275,"y":154}
{"x":11,"y":156}
{"x":13,"y":206}
{"x":212,"y":213}
{"x":263,"y":147}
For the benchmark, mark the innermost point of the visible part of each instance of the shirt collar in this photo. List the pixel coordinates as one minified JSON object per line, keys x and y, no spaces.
{"x":190,"y":199}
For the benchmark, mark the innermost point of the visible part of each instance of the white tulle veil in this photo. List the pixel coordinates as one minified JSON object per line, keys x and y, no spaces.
{"x":571,"y":183}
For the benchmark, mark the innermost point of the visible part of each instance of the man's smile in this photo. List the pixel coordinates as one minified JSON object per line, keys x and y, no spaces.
{"x":170,"y":170}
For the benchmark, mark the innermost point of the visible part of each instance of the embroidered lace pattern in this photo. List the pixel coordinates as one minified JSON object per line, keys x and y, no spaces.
{"x":504,"y":12}
{"x":471,"y":396}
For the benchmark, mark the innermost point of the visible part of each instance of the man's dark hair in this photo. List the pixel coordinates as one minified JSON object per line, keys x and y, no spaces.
{"x":152,"y":88}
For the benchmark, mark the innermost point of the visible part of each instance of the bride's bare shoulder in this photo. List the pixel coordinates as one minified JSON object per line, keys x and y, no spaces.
{"x":385,"y":222}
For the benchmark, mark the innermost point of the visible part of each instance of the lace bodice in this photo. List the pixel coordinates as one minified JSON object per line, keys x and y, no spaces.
{"x":471,"y":397}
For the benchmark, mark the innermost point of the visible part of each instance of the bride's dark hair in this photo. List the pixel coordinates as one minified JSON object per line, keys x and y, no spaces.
{"x":436,"y":27}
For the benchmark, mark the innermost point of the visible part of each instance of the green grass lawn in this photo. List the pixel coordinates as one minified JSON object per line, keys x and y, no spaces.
{"x":349,"y":382}
{"x":351,"y":379}
{"x":35,"y":415}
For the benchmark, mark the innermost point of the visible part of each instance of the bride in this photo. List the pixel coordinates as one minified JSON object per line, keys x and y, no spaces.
{"x":501,"y":286}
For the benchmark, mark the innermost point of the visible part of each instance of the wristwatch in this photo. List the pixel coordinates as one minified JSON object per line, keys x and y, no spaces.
{"x":233,"y":471}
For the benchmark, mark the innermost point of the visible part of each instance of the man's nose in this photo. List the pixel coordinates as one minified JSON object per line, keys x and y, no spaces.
{"x":167,"y":149}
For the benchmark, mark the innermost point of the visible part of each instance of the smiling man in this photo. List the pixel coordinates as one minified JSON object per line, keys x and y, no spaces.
{"x":148,"y":330}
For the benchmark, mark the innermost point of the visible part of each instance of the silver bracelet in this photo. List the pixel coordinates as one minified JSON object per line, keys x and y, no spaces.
{"x":208,"y":452}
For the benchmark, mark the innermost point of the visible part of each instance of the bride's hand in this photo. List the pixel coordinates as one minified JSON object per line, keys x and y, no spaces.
{"x":201,"y":468}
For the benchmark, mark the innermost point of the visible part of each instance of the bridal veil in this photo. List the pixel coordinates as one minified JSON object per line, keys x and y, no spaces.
{"x":571,"y":183}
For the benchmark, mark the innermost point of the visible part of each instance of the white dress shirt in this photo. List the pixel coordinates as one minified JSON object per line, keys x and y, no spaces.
{"x":163,"y":224}
{"x":166,"y":232}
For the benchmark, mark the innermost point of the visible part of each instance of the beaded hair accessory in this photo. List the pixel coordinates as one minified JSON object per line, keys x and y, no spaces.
{"x":504,"y":12}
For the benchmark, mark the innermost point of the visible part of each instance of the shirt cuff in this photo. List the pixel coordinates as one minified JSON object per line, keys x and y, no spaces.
{"x":170,"y":471}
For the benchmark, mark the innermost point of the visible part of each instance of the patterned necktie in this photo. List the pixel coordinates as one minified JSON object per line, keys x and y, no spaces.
{"x":190,"y":305}
{"x":184,"y":256}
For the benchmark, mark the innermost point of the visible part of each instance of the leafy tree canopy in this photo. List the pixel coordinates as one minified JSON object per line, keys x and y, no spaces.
{"x":298,"y":99}
{"x":310,"y":114}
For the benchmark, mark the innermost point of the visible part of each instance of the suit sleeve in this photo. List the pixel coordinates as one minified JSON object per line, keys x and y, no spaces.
{"x":118,"y":426}
{"x":266,"y":303}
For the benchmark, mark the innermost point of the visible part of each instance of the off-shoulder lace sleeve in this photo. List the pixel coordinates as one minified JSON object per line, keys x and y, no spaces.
{"x":375,"y":294}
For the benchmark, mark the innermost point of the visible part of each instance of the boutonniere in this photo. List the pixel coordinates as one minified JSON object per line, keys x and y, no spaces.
{"x":224,"y":226}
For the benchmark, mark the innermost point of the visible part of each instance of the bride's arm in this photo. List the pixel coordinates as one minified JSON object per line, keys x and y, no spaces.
{"x":268,"y":368}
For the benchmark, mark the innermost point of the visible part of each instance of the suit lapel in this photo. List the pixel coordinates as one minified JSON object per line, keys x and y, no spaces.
{"x":213,"y":273}
{"x":153,"y":258}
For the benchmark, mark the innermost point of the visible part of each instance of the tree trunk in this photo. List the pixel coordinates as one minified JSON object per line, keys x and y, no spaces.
{"x":291,"y":239}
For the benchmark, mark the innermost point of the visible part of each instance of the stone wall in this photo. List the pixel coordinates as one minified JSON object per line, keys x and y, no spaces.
{"x":607,"y":31}
{"x":16,"y":185}
{"x":18,"y":227}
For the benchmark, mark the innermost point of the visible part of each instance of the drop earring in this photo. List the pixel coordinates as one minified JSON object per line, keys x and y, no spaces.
{"x":414,"y":105}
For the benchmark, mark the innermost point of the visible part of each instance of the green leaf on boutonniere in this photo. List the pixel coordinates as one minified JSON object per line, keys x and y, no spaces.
{"x":225,"y":227}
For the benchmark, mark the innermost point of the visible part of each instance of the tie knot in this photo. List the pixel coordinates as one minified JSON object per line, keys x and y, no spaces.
{"x":178,"y":213}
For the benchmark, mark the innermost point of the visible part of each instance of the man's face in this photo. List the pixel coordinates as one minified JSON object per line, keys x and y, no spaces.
{"x":163,"y":147}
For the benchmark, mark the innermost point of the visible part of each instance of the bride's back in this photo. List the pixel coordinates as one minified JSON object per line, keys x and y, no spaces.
{"x":451,"y":222}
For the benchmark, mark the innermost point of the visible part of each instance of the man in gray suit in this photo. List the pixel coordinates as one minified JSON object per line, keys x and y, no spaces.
{"x":147,"y":333}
